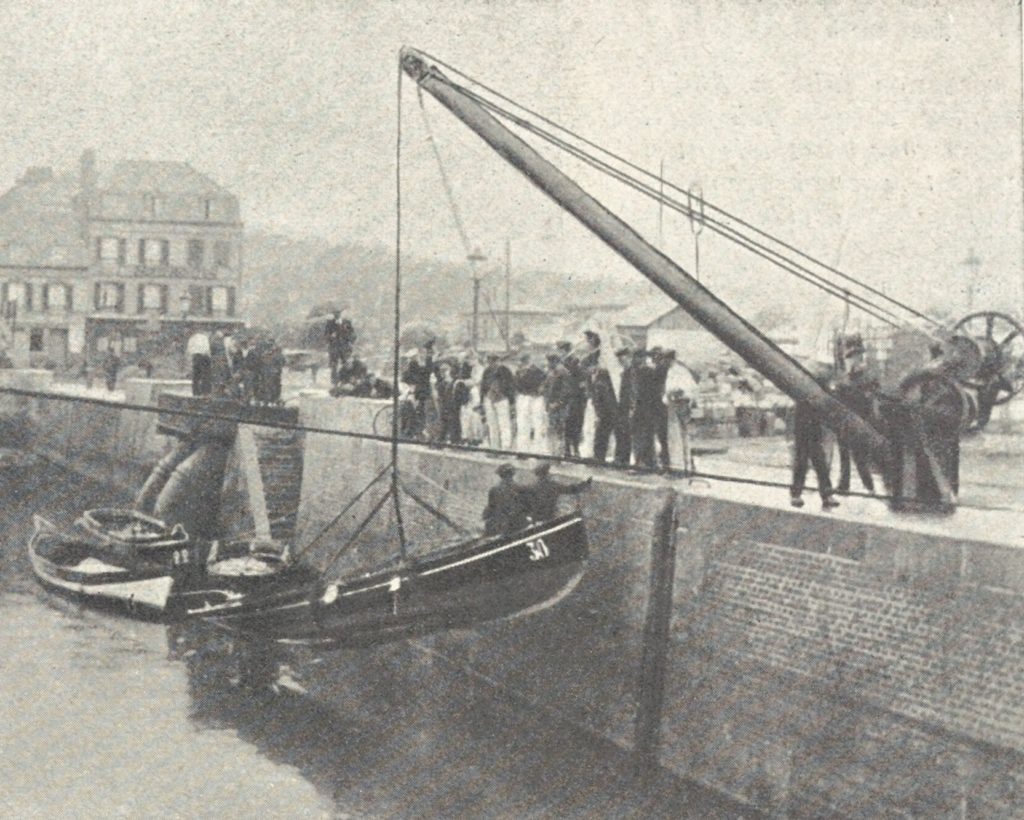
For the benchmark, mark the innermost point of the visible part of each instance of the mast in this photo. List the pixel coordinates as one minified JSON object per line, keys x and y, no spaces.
{"x":717,"y":317}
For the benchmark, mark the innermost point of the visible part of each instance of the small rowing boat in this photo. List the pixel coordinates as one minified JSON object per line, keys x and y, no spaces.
{"x":159,"y":575}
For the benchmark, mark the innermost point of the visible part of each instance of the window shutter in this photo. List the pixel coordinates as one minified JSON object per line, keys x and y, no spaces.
{"x":69,"y":297}
{"x":99,"y":248}
{"x":142,"y":251}
{"x":122,"y":252}
{"x":28,"y":297}
{"x":96,"y":296}
{"x":163,"y":299}
{"x":231,"y":301}
{"x":3,"y":295}
{"x":120,"y":298}
{"x":209,"y":301}
{"x":140,"y":304}
{"x":165,"y":252}
{"x":45,"y":299}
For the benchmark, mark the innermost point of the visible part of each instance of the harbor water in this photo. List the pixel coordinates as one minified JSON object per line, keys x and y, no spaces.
{"x":105,"y":716}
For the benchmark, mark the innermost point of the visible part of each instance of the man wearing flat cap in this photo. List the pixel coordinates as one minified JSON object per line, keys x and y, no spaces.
{"x":506,"y":510}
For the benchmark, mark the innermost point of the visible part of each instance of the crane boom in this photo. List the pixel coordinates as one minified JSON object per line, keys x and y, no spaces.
{"x":710,"y":311}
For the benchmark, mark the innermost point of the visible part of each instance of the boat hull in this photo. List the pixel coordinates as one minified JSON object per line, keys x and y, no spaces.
{"x":482,"y":581}
{"x":157,"y":583}
{"x":73,"y":569}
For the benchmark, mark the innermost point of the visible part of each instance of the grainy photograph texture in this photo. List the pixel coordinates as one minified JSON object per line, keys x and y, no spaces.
{"x":511,"y":409}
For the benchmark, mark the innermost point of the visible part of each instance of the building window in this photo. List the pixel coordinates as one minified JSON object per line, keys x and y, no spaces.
{"x":221,"y":301}
{"x":110,"y":296}
{"x":35,"y":340}
{"x":129,"y":344}
{"x":16,"y":293}
{"x":57,"y":297}
{"x":111,"y":249}
{"x":195,"y":253}
{"x":152,"y":298}
{"x":154,"y":252}
{"x":152,"y":205}
{"x":207,"y":209}
{"x":222,"y":253}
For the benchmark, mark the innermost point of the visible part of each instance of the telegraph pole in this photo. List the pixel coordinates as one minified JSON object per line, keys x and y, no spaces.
{"x":973,"y":264}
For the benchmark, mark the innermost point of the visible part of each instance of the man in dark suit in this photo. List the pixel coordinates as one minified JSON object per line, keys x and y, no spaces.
{"x":506,"y":510}
{"x":624,"y":410}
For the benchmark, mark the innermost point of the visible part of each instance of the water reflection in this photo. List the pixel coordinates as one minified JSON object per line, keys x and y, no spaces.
{"x":105,"y":716}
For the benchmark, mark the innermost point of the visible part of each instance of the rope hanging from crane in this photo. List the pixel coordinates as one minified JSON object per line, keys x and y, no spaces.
{"x":654,"y":190}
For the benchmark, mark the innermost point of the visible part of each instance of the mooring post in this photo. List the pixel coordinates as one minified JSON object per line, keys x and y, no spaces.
{"x":657,"y":627}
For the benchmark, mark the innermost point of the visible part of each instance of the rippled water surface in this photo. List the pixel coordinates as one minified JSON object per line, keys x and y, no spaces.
{"x":102,"y":716}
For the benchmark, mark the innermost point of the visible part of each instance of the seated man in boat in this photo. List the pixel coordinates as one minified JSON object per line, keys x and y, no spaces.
{"x":542,"y":496}
{"x":506,"y":509}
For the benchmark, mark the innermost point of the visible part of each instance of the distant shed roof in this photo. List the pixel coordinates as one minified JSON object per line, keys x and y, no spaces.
{"x":645,"y":313}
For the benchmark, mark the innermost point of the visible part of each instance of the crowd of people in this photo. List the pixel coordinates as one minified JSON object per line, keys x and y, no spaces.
{"x":511,"y":402}
{"x":247,"y":369}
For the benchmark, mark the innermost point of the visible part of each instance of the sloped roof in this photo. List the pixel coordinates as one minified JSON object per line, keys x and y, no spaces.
{"x":644,"y":312}
{"x":150,"y":175}
{"x":39,"y":216}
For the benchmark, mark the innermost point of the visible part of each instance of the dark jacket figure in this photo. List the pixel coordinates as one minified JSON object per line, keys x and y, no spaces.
{"x":602,"y":395}
{"x":663,"y":361}
{"x":352,"y":378}
{"x":497,"y":382}
{"x":856,"y":392}
{"x":417,"y":375}
{"x":220,"y":366}
{"x":624,"y":410}
{"x":252,"y":372}
{"x":557,"y":393}
{"x":649,"y":410}
{"x":506,"y":505}
{"x":576,"y":403}
{"x":529,"y":379}
{"x":346,"y":339}
{"x":808,"y":434}
{"x":542,"y":497}
{"x":452,"y":394}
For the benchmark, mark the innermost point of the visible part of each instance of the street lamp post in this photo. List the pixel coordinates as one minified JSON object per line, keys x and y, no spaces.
{"x":475,"y":257}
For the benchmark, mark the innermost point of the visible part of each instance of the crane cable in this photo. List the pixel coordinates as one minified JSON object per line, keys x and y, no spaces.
{"x":639,"y":169}
{"x":763,"y":251}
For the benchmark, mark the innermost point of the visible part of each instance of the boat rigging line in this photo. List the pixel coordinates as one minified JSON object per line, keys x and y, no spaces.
{"x":732,"y":233}
{"x":767,"y":253}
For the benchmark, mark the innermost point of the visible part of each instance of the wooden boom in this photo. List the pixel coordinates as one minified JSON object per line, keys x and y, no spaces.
{"x":717,"y":317}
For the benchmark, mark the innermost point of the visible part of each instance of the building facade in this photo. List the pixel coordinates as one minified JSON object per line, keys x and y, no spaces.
{"x":132,"y":259}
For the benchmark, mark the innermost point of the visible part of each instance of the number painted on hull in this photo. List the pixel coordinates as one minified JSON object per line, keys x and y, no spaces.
{"x":538,"y":549}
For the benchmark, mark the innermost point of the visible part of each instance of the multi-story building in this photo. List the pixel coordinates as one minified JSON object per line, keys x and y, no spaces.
{"x":132,"y":258}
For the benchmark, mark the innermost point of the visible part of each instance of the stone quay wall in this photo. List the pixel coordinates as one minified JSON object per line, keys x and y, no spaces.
{"x":808,"y":664}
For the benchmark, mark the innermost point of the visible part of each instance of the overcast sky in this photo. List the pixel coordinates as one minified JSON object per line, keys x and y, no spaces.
{"x":885,"y":136}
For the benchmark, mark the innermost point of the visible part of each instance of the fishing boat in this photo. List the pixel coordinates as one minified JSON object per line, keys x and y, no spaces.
{"x":476,"y":581}
{"x":150,"y":572}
